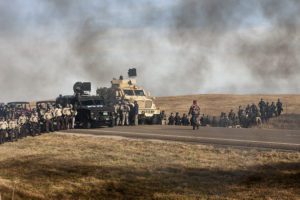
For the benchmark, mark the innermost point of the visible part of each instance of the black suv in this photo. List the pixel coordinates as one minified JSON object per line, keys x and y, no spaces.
{"x":91,"y":110}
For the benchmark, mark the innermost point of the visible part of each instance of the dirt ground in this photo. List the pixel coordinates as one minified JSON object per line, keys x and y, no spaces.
{"x":67,"y":166}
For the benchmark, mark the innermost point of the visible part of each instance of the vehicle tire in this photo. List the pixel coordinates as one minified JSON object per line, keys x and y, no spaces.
{"x":112,"y":124}
{"x":155,"y":120}
{"x":87,"y":125}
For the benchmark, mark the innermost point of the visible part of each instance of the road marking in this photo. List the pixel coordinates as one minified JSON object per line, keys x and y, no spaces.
{"x":194,"y":137}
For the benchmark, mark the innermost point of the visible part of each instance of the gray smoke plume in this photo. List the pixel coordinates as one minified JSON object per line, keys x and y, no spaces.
{"x":178,"y":47}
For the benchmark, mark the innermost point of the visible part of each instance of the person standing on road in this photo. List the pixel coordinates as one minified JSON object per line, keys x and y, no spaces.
{"x":125,"y":111}
{"x":177,"y":119}
{"x":272,"y":110}
{"x":12,"y":129}
{"x":59,"y":117}
{"x":195,"y":112}
{"x":262,"y":105}
{"x":163,"y":118}
{"x":73,"y":116}
{"x":171,"y":119}
{"x":279,"y":108}
{"x":23,"y":123}
{"x":136,"y":113}
{"x":117,"y":113}
{"x":3,"y":130}
{"x":184,"y":120}
{"x":34,"y":124}
{"x":48,"y":116}
{"x":67,"y":115}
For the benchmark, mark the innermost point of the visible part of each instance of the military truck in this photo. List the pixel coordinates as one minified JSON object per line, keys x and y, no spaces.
{"x":127,"y":90}
{"x":92,"y":110}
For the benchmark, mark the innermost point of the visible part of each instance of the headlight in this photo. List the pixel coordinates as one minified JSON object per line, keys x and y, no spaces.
{"x":92,"y":115}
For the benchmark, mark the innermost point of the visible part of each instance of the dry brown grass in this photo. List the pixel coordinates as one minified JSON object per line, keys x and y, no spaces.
{"x":214,"y":104}
{"x":60,"y":166}
{"x":287,"y":121}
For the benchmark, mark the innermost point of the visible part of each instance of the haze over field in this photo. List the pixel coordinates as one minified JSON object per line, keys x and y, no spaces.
{"x":179,"y":46}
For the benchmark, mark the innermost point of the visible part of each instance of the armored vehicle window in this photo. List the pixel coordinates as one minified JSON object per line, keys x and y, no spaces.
{"x":129,"y":92}
{"x":139,"y":92}
{"x":42,"y":105}
{"x":19,"y":106}
{"x":92,"y":102}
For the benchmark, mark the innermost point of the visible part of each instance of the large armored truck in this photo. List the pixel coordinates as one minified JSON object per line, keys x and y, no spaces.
{"x":92,"y":110}
{"x":127,"y":90}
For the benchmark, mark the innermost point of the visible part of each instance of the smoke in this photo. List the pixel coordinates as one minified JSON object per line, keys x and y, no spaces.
{"x":178,"y":47}
{"x":273,"y":58}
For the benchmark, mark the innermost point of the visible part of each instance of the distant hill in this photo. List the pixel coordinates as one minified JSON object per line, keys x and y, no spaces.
{"x":214,"y":104}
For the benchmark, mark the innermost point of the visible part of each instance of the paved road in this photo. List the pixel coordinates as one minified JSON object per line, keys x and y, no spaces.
{"x":256,"y":138}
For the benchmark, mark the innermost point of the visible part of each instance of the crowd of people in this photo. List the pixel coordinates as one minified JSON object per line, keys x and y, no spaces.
{"x":192,"y":118}
{"x":248,"y":116}
{"x":17,"y":123}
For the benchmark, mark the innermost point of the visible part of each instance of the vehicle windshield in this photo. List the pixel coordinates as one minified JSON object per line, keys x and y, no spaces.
{"x":129,"y":92}
{"x":92,"y":102}
{"x":19,"y":106}
{"x":45,"y":105}
{"x":139,"y":92}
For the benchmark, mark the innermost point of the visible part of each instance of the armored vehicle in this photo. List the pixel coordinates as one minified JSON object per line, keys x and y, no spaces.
{"x":17,"y":108}
{"x":91,"y":110}
{"x":127,"y":90}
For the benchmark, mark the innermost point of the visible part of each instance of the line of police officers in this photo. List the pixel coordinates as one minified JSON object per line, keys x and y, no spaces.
{"x":15,"y":125}
{"x":245,"y":117}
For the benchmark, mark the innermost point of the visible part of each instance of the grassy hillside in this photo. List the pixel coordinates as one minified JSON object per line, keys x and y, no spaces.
{"x":286,"y":121}
{"x":214,"y":104}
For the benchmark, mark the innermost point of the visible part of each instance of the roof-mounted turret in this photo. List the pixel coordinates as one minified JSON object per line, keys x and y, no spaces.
{"x":82,"y":88}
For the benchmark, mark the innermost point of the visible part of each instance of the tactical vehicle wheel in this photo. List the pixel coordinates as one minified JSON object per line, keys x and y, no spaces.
{"x":112,"y":124}
{"x":87,"y":125}
{"x":155,"y":119}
